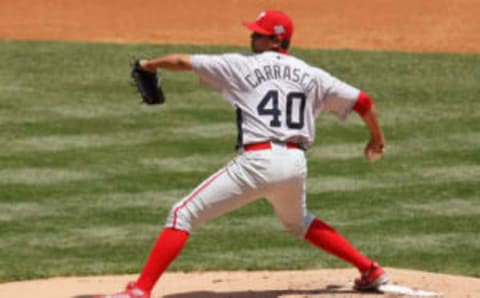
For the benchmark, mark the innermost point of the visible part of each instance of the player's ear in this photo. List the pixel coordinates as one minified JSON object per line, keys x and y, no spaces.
{"x":285,"y":44}
{"x":276,"y":43}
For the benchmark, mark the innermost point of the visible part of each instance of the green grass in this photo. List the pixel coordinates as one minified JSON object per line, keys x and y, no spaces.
{"x":87,"y":174}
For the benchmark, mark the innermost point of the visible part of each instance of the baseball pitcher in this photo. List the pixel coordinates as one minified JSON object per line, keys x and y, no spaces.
{"x":277,"y":99}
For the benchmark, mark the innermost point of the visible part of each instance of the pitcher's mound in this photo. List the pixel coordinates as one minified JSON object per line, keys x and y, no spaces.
{"x":242,"y":284}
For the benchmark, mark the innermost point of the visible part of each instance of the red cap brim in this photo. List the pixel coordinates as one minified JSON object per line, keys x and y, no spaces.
{"x":256,"y":28}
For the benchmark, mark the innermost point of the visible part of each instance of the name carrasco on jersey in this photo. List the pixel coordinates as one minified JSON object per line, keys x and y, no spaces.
{"x":280,"y":72}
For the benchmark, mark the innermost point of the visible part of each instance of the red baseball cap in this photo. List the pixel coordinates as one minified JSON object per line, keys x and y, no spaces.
{"x":272,"y":22}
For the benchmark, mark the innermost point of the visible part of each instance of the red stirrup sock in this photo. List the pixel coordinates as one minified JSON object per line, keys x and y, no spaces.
{"x":326,"y":238}
{"x":166,"y":249}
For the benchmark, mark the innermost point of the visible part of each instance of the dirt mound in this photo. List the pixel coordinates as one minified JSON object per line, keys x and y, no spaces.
{"x":240,"y":284}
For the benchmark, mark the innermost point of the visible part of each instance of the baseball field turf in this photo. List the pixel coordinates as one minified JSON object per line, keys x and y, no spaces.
{"x":88,"y":174}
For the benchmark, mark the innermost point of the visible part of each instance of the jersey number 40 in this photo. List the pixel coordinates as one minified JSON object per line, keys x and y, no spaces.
{"x":269,"y":106}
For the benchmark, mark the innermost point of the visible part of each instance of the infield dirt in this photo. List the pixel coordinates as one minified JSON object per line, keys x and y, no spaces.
{"x":408,"y":25}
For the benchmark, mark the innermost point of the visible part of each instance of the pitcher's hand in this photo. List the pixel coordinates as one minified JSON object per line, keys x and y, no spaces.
{"x":375,"y":148}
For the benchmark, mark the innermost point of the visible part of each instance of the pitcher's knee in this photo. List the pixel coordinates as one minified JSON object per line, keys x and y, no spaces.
{"x":181,"y":218}
{"x":295,"y":230}
{"x":299,"y":229}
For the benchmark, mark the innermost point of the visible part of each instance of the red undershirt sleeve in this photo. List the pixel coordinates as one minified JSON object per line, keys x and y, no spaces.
{"x":363,"y":104}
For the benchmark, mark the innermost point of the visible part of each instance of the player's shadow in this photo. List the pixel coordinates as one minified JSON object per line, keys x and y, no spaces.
{"x":329,"y":291}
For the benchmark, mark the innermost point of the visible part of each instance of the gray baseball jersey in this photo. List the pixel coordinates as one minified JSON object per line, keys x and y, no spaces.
{"x":277,"y":97}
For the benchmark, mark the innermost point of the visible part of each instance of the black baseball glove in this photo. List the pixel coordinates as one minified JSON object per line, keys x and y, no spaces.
{"x":147,"y":84}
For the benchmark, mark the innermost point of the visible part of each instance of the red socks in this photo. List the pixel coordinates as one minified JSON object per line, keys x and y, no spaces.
{"x":171,"y":242}
{"x":166,"y":249}
{"x":326,"y":238}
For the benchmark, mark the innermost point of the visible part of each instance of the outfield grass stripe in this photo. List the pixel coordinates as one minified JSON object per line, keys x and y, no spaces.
{"x":409,"y":147}
{"x":418,"y":146}
{"x":273,"y":258}
{"x":114,"y":234}
{"x":86,"y":111}
{"x":432,"y":243}
{"x":436,"y":113}
{"x":210,"y":130}
{"x":24,"y":210}
{"x":90,"y":141}
{"x":39,"y":176}
{"x":434,"y":175}
{"x":344,"y":151}
{"x":267,"y":220}
{"x":450,"y":173}
{"x":64,"y":112}
{"x":323,"y":183}
{"x":193,"y":163}
{"x":451,"y":207}
{"x":79,"y":141}
{"x":118,"y":200}
{"x":76,"y":237}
